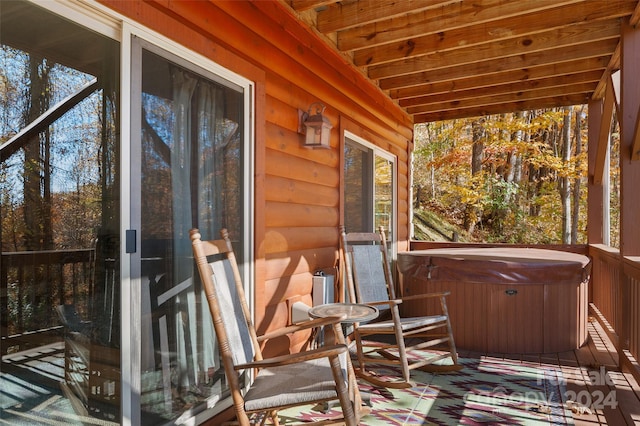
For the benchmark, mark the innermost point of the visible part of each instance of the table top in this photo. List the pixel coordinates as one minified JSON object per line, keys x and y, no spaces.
{"x":355,"y":312}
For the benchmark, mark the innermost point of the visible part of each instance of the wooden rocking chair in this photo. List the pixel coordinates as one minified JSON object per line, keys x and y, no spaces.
{"x":369,"y":281}
{"x":314,"y":376}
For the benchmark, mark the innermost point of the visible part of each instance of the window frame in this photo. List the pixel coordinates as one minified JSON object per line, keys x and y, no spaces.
{"x":350,"y":138}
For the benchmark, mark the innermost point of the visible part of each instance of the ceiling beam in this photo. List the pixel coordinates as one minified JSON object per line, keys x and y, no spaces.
{"x":362,"y":12}
{"x":590,"y":50}
{"x":503,"y":77}
{"x":513,"y":89}
{"x":502,"y":108}
{"x":482,"y":101}
{"x":448,"y":17}
{"x":477,"y":34}
{"x":577,"y":35}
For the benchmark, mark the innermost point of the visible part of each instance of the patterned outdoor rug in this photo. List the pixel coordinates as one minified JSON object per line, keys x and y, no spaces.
{"x":486,"y":391}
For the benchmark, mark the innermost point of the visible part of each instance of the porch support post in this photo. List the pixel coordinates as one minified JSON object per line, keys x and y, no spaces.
{"x":629,"y":168}
{"x":595,"y":212}
{"x":629,"y":194}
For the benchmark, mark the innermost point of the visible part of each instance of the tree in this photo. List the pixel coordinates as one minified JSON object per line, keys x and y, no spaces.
{"x":37,"y":173}
{"x":507,"y":178}
{"x":473,"y":211}
{"x":564,"y":185}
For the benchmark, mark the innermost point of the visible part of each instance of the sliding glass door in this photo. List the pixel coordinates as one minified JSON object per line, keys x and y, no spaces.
{"x":193,"y":156}
{"x":114,"y":143}
{"x":60,"y":215}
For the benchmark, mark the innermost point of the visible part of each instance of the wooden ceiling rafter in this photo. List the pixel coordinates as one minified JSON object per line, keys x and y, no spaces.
{"x":514,"y":89}
{"x":476,"y":34}
{"x":455,"y":16}
{"x":614,"y":65}
{"x":512,"y":106}
{"x":543,"y":93}
{"x":552,"y":57}
{"x":555,"y":39}
{"x":523,"y":75}
{"x":461,"y":58}
{"x":345,"y":15}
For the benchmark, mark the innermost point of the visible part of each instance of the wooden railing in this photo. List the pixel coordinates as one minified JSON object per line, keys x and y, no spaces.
{"x":606,"y":289}
{"x":631,"y":317}
{"x":32,"y":284}
{"x":616,"y":301}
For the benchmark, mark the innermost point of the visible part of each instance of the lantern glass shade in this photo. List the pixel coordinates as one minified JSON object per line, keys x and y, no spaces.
{"x":317,"y":129}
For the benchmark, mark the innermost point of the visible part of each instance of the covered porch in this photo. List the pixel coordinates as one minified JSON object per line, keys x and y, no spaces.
{"x":380,"y":68}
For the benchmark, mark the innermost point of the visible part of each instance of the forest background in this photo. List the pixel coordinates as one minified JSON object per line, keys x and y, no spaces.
{"x":508,"y":178}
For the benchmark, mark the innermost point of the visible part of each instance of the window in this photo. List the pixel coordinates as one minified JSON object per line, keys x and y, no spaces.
{"x":369,"y":194}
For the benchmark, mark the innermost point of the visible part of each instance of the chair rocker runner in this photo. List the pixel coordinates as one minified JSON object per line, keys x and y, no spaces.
{"x":369,"y":281}
{"x":315,"y":376}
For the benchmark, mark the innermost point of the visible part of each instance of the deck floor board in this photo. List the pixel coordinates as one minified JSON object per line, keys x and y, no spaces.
{"x":592,"y":375}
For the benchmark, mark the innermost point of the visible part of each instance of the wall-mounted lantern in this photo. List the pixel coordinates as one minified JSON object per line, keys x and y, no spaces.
{"x":316,"y":127}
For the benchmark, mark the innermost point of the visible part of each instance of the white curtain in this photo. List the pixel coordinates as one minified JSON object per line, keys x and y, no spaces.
{"x":183,"y":88}
{"x":196,"y":103}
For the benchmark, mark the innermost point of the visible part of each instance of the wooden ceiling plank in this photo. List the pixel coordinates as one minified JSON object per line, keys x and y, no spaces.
{"x":513,"y":88}
{"x":578,"y":98}
{"x":590,"y":50}
{"x":509,"y":28}
{"x":565,"y":90}
{"x":362,"y":12}
{"x":577,"y":35}
{"x":446,"y":18}
{"x":503,"y":77}
{"x":502,"y":108}
{"x":459,"y":58}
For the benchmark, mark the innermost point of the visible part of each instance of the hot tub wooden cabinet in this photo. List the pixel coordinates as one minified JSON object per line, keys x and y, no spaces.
{"x":503,"y":300}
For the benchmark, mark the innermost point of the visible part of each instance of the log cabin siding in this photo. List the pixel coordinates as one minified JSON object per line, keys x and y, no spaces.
{"x":297,"y":190}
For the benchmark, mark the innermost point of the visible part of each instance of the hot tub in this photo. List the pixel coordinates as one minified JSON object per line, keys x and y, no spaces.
{"x":503,"y":300}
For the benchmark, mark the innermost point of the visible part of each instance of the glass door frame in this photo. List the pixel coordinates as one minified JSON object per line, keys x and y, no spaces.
{"x":131,"y":214}
{"x":100,"y":19}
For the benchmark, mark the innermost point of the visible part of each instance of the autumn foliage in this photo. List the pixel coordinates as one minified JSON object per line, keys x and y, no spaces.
{"x":512,"y":178}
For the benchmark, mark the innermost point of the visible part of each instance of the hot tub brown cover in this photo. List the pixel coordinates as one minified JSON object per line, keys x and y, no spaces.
{"x":496,"y":265}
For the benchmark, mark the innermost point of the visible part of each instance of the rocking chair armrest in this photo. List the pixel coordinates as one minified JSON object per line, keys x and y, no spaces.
{"x":322,"y":352}
{"x":426,"y":295}
{"x":390,"y":302}
{"x":318,"y":322}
